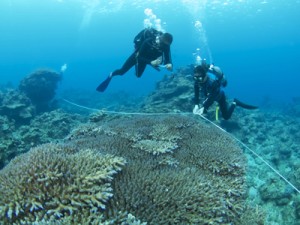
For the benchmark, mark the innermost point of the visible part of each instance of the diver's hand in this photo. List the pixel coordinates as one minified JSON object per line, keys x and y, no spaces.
{"x":198,"y":111}
{"x":201,"y":111}
{"x":156,"y":62}
{"x":169,"y":66}
{"x":196,"y":108}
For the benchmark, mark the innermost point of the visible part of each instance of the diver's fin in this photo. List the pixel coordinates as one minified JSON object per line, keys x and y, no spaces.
{"x":104,"y":84}
{"x":243,"y":105}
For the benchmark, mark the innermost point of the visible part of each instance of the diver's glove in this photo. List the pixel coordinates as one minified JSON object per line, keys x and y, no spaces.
{"x":169,"y":66}
{"x":196,"y":108}
{"x":201,"y":111}
{"x":156,"y":62}
{"x":198,"y":111}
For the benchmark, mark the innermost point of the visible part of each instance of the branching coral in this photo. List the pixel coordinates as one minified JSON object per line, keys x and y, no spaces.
{"x":54,"y":181}
{"x":201,"y":182}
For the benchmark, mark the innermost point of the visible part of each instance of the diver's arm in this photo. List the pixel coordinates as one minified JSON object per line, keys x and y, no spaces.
{"x":167,"y":55}
{"x":209,"y":97}
{"x":138,"y":39}
{"x":196,"y":93}
{"x":142,"y":51}
{"x":208,"y":101}
{"x":167,"y":58}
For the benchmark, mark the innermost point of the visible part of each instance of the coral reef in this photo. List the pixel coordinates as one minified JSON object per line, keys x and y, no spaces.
{"x":121,"y":219}
{"x":271,"y":132}
{"x":168,"y":179}
{"x":273,"y":190}
{"x":55,"y":181}
{"x":80,"y":181}
{"x":275,"y":137}
{"x":172,"y":93}
{"x":7,"y":140}
{"x":200,"y":181}
{"x":47,"y":127}
{"x":16,"y":106}
{"x":40,"y":87}
{"x":253,"y":216}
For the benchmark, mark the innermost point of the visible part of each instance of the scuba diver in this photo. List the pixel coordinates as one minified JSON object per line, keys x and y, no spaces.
{"x":211,"y":91}
{"x":150,"y":47}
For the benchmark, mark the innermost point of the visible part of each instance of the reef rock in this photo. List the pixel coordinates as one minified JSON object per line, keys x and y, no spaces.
{"x":172,"y":93}
{"x":40,"y":87}
{"x":16,"y":106}
{"x":48,"y":127}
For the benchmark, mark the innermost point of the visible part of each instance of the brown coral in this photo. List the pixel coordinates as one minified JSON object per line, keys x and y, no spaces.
{"x":54,"y":181}
{"x":203,"y":184}
{"x":202,"y":181}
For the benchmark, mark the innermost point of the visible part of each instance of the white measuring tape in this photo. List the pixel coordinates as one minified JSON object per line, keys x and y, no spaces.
{"x":157,"y":114}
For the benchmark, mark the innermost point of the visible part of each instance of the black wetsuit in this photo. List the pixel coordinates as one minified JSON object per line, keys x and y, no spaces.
{"x":211,"y":91}
{"x":146,"y":50}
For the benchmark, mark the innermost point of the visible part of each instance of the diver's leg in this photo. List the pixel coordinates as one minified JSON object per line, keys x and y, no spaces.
{"x":244,"y":105}
{"x":129,"y":63}
{"x":140,"y":68}
{"x":225,"y":110}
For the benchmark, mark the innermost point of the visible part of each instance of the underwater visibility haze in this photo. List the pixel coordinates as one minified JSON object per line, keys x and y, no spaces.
{"x":115,"y":164}
{"x":255,"y":42}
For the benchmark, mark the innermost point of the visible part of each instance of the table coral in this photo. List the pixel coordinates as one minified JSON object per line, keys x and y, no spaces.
{"x":205,"y":185}
{"x":202,"y":181}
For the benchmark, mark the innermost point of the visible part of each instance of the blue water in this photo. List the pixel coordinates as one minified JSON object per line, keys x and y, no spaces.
{"x":256,"y":43}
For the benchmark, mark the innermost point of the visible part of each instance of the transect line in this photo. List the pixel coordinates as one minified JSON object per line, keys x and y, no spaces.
{"x":177,"y":113}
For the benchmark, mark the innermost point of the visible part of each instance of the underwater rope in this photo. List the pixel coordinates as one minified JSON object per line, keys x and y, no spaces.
{"x":253,"y":152}
{"x":153,"y":114}
{"x":123,"y":113}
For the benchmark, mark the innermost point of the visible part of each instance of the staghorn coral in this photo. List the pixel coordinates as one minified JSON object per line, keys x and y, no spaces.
{"x":56,"y":181}
{"x":121,"y":219}
{"x":40,"y":87}
{"x":201,"y":182}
